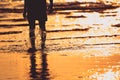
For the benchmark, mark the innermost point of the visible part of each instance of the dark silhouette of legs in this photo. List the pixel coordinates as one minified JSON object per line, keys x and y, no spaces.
{"x":32,"y":34}
{"x":43,"y":30}
{"x":42,"y":25}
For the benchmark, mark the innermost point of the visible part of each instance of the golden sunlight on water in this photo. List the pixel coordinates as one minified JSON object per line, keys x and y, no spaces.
{"x":81,"y":44}
{"x":87,"y":1}
{"x":76,"y":67}
{"x":14,"y":66}
{"x":60,"y":66}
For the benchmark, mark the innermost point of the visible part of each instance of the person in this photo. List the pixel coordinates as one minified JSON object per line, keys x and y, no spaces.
{"x":36,"y":10}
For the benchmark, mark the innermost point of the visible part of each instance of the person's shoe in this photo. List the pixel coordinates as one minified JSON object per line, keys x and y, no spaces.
{"x":31,"y":50}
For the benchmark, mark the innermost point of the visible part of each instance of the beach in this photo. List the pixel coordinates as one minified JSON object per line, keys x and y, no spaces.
{"x":82,"y":43}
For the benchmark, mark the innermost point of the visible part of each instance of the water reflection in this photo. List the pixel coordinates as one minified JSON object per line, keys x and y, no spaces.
{"x":33,"y":66}
{"x":36,"y":72}
{"x":42,"y":73}
{"x":109,"y":75}
{"x":76,"y":39}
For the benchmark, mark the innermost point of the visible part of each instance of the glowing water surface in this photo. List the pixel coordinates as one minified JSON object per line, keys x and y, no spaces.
{"x":80,"y":45}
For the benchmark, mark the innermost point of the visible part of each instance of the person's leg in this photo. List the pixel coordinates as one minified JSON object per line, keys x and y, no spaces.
{"x":32,"y":33}
{"x":43,"y":33}
{"x":42,"y":25}
{"x":43,"y":30}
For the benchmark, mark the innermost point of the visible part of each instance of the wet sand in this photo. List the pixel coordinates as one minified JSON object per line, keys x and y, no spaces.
{"x":80,"y":45}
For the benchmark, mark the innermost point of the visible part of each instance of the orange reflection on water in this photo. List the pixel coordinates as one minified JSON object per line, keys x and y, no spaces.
{"x":68,"y":65}
{"x":14,"y":66}
{"x":82,"y":54}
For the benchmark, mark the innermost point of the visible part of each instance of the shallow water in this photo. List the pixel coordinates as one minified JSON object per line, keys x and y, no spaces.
{"x":80,"y":45}
{"x":72,"y":65}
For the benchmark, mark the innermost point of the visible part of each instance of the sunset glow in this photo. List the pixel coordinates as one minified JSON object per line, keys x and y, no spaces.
{"x":82,"y":42}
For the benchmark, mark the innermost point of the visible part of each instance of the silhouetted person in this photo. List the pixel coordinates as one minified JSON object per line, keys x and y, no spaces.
{"x":36,"y":10}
